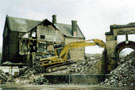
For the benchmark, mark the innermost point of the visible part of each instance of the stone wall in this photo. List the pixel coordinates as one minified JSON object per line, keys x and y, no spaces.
{"x":76,"y":53}
{"x":13,"y":50}
{"x":112,"y":43}
{"x":49,"y":33}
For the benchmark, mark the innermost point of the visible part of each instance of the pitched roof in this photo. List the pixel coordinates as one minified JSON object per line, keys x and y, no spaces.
{"x":25,"y":25}
{"x":66,"y":29}
{"x":20,"y":24}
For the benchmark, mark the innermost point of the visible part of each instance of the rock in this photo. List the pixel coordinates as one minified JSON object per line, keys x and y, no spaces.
{"x":35,"y":75}
{"x":3,"y":77}
{"x":124,"y":74}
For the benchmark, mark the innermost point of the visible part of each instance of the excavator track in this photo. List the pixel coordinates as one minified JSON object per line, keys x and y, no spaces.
{"x":58,"y":67}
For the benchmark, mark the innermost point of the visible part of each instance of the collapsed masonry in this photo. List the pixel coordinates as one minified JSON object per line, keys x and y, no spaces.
{"x":25,"y":40}
{"x":3,"y":77}
{"x":124,"y":74}
{"x":33,"y":75}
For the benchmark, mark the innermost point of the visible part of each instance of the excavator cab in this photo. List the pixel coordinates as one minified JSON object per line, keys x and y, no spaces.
{"x":58,"y":52}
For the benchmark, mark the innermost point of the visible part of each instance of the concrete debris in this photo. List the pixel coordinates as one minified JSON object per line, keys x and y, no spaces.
{"x":124,"y":74}
{"x":3,"y":77}
{"x":36,"y":76}
{"x":31,"y":79}
{"x":87,"y":66}
{"x":31,"y":76}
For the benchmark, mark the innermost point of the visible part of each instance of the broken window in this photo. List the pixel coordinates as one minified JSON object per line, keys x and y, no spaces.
{"x":33,"y":34}
{"x":26,"y":35}
{"x":23,"y":47}
{"x":41,"y":47}
{"x":42,"y":36}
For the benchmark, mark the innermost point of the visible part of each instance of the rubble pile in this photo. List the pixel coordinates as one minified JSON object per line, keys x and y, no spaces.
{"x":35,"y":75}
{"x":124,"y":74}
{"x":3,"y":77}
{"x":84,"y":67}
{"x":87,"y":66}
{"x":30,"y":76}
{"x":31,"y":79}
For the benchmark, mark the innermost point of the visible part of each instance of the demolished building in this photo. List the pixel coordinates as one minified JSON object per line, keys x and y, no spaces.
{"x":23,"y":39}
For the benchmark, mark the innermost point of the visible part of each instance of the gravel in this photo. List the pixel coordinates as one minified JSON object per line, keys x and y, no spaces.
{"x":124,"y":74}
{"x":35,"y":76}
{"x":3,"y":77}
{"x":87,"y":66}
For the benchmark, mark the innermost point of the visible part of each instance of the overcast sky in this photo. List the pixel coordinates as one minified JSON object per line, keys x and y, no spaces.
{"x":94,"y":16}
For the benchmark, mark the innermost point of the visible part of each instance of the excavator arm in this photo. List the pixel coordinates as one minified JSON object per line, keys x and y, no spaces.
{"x":84,"y":43}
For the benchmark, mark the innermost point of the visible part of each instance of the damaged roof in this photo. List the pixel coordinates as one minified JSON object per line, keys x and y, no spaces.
{"x":66,"y":29}
{"x":20,"y":24}
{"x":25,"y":25}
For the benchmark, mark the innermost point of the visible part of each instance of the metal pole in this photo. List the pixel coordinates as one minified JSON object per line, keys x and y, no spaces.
{"x":127,"y":38}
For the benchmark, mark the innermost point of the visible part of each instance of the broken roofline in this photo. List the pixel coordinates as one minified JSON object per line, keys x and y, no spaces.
{"x":45,"y":20}
{"x":17,"y":24}
{"x":74,"y":37}
{"x":34,"y":27}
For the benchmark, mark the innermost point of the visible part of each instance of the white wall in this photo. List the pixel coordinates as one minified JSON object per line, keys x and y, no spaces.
{"x":9,"y":69}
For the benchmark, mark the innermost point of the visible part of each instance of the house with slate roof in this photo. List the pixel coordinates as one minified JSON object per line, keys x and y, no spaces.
{"x":24,"y":39}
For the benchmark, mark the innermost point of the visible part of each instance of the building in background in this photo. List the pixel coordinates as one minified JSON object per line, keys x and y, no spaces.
{"x":24,"y":39}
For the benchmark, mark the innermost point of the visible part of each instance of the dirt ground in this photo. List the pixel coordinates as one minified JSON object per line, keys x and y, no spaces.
{"x":60,"y":87}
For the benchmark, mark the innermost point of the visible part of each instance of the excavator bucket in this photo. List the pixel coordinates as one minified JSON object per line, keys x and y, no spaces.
{"x":99,"y":43}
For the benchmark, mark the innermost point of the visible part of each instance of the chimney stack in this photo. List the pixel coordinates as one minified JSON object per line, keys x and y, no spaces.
{"x":54,"y":21}
{"x":74,"y":28}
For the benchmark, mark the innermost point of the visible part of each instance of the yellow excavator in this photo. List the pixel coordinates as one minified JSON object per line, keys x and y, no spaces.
{"x":62,"y":54}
